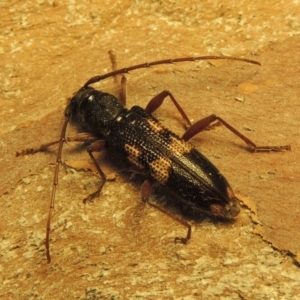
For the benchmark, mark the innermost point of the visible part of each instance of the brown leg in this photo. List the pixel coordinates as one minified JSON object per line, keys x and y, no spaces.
{"x":96,"y":147}
{"x":157,"y":101}
{"x":182,"y":240}
{"x":114,"y":65}
{"x":81,"y":137}
{"x":123,"y":90}
{"x":118,"y":79}
{"x":205,"y":122}
{"x":146,"y":190}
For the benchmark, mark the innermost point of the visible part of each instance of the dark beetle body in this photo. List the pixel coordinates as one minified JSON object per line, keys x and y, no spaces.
{"x":156,"y":150}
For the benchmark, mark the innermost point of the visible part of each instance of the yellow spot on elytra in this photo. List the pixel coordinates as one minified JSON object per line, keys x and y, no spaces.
{"x":133,"y":155}
{"x":160,"y":169}
{"x":155,"y":126}
{"x":178,"y":146}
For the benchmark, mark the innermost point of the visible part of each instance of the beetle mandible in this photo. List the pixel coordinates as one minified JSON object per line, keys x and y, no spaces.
{"x":159,"y":153}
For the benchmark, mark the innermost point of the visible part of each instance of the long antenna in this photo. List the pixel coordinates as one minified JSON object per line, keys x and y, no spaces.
{"x":55,"y":183}
{"x":164,"y":62}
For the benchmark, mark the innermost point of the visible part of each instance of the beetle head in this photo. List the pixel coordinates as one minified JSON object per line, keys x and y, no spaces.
{"x":93,"y":111}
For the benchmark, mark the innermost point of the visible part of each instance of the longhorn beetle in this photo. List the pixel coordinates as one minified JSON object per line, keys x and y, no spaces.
{"x":150,"y":146}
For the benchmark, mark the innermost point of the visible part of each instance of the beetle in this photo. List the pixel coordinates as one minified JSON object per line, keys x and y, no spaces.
{"x":161,"y":154}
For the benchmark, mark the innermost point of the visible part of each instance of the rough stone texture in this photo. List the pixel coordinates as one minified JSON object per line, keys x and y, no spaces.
{"x":117,"y":247}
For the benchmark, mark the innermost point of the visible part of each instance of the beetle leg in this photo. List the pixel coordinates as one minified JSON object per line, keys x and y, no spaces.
{"x":81,"y":137}
{"x":146,"y":191}
{"x":182,"y":240}
{"x":123,"y":90}
{"x":114,"y":65}
{"x":120,"y":82}
{"x":205,"y":122}
{"x":96,"y":147}
{"x":157,"y":101}
{"x":43,"y":147}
